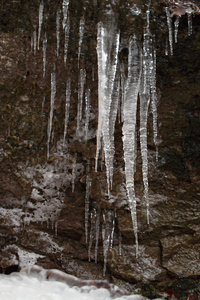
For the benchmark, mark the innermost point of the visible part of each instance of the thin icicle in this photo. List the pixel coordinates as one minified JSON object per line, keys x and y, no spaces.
{"x":107,"y":231}
{"x":176,"y":25}
{"x":35,"y":40}
{"x":53,"y":95}
{"x":81,"y":84}
{"x":154,"y":101}
{"x":122,"y":81}
{"x":92,"y":231}
{"x":189,"y":17}
{"x":129,"y":127}
{"x":169,"y":23}
{"x":41,"y":10}
{"x":67,"y":105}
{"x":58,"y":30}
{"x":74,"y":173}
{"x":65,"y":6}
{"x":87,"y":112}
{"x":81,"y":33}
{"x":67,"y":29}
{"x":44,"y":54}
{"x":87,"y":199}
{"x":97,"y":233}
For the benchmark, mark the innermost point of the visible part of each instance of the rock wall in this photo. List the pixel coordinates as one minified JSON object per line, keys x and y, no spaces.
{"x":42,"y":218}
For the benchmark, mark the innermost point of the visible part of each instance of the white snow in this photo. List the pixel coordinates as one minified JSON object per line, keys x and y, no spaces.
{"x":34,"y":286}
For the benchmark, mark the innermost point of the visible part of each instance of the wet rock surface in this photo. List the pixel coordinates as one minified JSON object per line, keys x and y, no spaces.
{"x":42,"y":219}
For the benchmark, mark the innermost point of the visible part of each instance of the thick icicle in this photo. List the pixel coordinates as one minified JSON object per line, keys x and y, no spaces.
{"x":87,"y":112}
{"x":169,"y":23}
{"x":74,"y":173}
{"x":44,"y":54}
{"x":53,"y":95}
{"x":81,"y":84}
{"x":67,"y":105}
{"x":81,"y":33}
{"x":41,"y":9}
{"x":129,"y":126}
{"x":66,"y":29}
{"x":65,"y":6}
{"x":107,"y":53}
{"x":176,"y":25}
{"x":58,"y":30}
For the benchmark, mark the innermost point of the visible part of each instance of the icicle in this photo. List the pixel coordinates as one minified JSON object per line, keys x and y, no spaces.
{"x":41,"y":9}
{"x":65,"y":6}
{"x":56,"y":228}
{"x":92,"y":231}
{"x":81,"y":33}
{"x":87,"y":112}
{"x":113,"y":116}
{"x":58,"y":30}
{"x":154,"y":101}
{"x":67,"y":29}
{"x":87,"y":199}
{"x":120,"y":243}
{"x":169,"y":23}
{"x":176,"y":25}
{"x":122,"y":81}
{"x":67,"y":105}
{"x":147,"y":89}
{"x":53,"y":95}
{"x":34,"y":40}
{"x":107,"y":230}
{"x":107,"y":53}
{"x":97,"y":233}
{"x":166,"y":48}
{"x":129,"y":126}
{"x":81,"y":84}
{"x":189,"y":17}
{"x":74,"y":173}
{"x":44,"y":54}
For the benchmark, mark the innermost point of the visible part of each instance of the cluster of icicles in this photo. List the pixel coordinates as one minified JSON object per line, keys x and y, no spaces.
{"x":118,"y":95}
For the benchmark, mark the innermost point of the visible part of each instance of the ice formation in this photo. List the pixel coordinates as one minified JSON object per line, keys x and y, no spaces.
{"x":53,"y":95}
{"x":81,"y":32}
{"x":107,"y":53}
{"x":41,"y":10}
{"x":67,"y":105}
{"x":58,"y":29}
{"x":44,"y":54}
{"x":81,"y":85}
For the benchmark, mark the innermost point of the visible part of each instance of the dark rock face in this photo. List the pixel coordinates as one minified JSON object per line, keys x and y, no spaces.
{"x":42,"y":219}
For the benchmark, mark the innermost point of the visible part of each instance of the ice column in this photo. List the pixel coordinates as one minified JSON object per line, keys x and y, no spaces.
{"x":53,"y":95}
{"x":129,"y":126}
{"x":41,"y":9}
{"x":107,"y":53}
{"x":65,"y":6}
{"x":189,"y":17}
{"x":34,"y":39}
{"x":67,"y":105}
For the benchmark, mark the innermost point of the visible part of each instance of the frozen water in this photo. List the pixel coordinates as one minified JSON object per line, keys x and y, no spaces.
{"x":53,"y":95}
{"x":41,"y":9}
{"x":169,"y":23}
{"x":67,"y":105}
{"x":81,"y":33}
{"x":58,"y":29}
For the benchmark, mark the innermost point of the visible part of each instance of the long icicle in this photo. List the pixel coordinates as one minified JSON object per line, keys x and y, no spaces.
{"x":129,"y":127}
{"x":53,"y":95}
